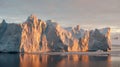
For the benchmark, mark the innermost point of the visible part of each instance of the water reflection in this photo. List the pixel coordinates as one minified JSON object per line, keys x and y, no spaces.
{"x":9,"y":60}
{"x":37,"y":60}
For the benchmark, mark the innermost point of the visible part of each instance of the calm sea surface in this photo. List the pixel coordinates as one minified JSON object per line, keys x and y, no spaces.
{"x":67,"y":60}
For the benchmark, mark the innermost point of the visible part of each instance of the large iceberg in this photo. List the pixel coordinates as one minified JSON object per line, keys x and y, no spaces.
{"x":35,"y":35}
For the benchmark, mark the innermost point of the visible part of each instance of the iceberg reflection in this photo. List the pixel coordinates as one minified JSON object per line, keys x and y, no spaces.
{"x":38,"y":60}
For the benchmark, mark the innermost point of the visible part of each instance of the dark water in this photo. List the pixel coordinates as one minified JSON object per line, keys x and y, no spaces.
{"x":38,"y":60}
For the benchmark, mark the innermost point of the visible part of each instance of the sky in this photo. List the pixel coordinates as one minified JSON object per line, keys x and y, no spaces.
{"x":86,"y":13}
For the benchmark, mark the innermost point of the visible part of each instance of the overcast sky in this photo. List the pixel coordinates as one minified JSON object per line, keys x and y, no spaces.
{"x":66,"y":12}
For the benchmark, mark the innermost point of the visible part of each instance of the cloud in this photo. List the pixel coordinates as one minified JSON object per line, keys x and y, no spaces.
{"x":97,"y":12}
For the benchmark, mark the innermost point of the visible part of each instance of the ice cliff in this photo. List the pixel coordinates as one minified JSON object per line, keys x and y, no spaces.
{"x":35,"y":35}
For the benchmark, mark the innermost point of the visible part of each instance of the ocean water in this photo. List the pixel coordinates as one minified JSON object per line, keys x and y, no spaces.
{"x":61,"y":60}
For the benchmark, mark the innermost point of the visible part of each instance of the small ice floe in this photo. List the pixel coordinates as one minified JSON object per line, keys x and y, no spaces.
{"x":102,"y":53}
{"x":99,"y":51}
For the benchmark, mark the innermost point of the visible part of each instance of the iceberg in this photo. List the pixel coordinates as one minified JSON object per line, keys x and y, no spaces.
{"x":36,"y":35}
